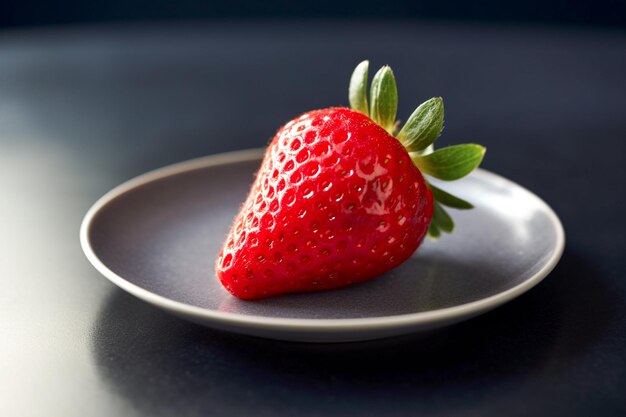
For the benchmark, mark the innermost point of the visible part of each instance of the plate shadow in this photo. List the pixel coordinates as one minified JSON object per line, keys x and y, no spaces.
{"x":163,"y":365}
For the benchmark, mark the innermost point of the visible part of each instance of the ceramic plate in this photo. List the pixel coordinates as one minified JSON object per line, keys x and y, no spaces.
{"x":157,"y":237}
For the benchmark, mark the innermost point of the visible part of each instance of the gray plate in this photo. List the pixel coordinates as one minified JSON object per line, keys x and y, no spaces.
{"x":157,"y":237}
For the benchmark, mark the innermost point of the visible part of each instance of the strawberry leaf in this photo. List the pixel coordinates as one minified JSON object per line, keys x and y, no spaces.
{"x":417,"y":135}
{"x":452,"y":162}
{"x":384,"y":99}
{"x":433,"y":231}
{"x":424,"y":126}
{"x":429,"y":149}
{"x":358,"y":88}
{"x":448,"y":199}
{"x":442,"y":219}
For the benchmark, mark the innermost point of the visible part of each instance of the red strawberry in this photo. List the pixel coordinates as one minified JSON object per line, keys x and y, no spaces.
{"x":339,"y":200}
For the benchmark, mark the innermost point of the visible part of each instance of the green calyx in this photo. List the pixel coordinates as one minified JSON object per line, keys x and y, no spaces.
{"x":418,"y":136}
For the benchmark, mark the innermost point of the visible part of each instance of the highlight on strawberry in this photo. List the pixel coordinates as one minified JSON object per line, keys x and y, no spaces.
{"x":340,"y":197}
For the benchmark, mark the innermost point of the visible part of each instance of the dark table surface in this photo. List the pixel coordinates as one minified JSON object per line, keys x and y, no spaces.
{"x":84,"y":109}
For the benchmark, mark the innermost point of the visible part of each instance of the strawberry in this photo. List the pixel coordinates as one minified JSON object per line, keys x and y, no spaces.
{"x":339,"y":199}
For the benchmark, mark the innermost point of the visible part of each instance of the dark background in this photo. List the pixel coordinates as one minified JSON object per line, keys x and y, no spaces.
{"x":601,"y":13}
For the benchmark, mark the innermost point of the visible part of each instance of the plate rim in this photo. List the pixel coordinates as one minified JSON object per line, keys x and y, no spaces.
{"x":278,"y":323}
